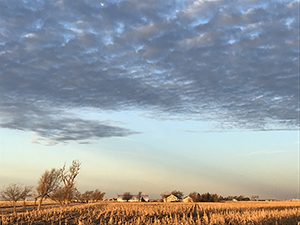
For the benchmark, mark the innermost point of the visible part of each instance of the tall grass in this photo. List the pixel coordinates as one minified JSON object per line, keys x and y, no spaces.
{"x":261,"y":213}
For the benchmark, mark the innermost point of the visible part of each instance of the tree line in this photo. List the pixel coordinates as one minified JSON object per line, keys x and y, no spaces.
{"x":56,"y":184}
{"x":207,"y":197}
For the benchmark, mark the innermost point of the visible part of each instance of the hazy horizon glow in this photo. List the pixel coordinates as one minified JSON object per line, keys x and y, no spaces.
{"x":152,"y":96}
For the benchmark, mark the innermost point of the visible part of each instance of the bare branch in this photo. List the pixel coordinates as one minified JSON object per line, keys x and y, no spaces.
{"x":49,"y":182}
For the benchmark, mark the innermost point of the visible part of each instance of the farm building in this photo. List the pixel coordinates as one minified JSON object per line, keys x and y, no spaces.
{"x":135,"y":198}
{"x":187,"y":199}
{"x":171,"y":198}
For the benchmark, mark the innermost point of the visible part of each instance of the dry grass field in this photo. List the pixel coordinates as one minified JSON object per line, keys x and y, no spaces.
{"x":234,"y":213}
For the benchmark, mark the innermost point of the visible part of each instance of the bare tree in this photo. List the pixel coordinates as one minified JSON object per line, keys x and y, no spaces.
{"x":49,"y":182}
{"x":68,"y":178}
{"x":164,"y":195}
{"x":254,"y":198}
{"x":77,"y":196}
{"x":127,"y":196}
{"x":97,"y":195}
{"x":59,"y":195}
{"x":27,"y":192}
{"x":195,"y":196}
{"x":178,"y":194}
{"x":87,"y":196}
{"x":139,"y":195}
{"x":14,"y":193}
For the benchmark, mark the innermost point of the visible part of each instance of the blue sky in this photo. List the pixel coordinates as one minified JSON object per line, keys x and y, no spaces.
{"x":152,"y":95}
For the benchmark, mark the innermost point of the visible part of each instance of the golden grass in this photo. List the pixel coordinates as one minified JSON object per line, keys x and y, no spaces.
{"x":233,"y":213}
{"x":4,"y":204}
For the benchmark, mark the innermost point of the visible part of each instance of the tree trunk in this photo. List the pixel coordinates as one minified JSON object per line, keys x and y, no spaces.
{"x":40,"y":203}
{"x":15,"y":211}
{"x":34,"y":207}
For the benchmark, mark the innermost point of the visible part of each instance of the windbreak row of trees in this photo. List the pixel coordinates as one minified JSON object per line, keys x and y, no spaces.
{"x":88,"y":196}
{"x":207,"y":197}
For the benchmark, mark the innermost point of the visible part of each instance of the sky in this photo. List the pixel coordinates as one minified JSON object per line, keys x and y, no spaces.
{"x":152,"y":96}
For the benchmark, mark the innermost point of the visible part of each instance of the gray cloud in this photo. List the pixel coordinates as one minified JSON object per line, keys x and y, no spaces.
{"x":63,"y":130}
{"x":231,"y":62}
{"x":53,"y":127}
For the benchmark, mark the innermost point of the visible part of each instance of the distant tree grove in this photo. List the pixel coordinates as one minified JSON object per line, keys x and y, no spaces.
{"x":208,"y":197}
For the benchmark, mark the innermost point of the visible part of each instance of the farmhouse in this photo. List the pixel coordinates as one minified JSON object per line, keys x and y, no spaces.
{"x":187,"y":199}
{"x":135,"y":198}
{"x":171,"y":198}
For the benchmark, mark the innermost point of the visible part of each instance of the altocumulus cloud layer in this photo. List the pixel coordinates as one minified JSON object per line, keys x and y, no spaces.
{"x":234,"y":62}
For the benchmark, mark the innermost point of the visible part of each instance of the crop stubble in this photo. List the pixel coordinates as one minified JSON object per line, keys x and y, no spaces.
{"x":233,"y":213}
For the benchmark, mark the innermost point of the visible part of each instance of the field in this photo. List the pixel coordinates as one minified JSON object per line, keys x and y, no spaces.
{"x":234,"y":213}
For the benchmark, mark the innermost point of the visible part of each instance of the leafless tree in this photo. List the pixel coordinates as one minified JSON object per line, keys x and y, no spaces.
{"x":178,"y":194}
{"x":87,"y":196}
{"x":68,"y":178}
{"x":165,"y":195}
{"x":77,"y":196}
{"x":14,"y":193}
{"x":139,"y":195}
{"x":59,"y":195}
{"x":195,"y":196}
{"x":27,"y":192}
{"x":49,"y":182}
{"x":91,"y":196}
{"x":97,"y":195}
{"x":254,"y":198}
{"x":127,"y":196}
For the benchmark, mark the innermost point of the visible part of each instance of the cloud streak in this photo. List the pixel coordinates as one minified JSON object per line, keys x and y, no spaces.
{"x":51,"y":129}
{"x":235,"y":63}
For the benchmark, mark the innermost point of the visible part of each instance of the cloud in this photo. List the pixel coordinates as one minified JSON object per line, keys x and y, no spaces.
{"x":53,"y":127}
{"x":63,"y":130}
{"x":235,"y":63}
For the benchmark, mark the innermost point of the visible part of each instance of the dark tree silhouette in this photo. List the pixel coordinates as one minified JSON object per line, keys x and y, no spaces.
{"x":87,"y":196}
{"x":205,"y":197}
{"x":97,"y":195}
{"x":165,"y":195}
{"x":127,"y":196}
{"x":195,"y":196}
{"x":178,"y":194}
{"x":214,"y":198}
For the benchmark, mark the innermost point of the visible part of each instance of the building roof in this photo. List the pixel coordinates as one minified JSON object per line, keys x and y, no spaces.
{"x":187,"y":199}
{"x":171,"y":198}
